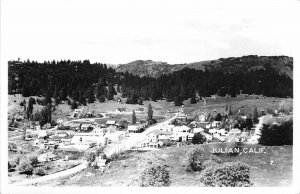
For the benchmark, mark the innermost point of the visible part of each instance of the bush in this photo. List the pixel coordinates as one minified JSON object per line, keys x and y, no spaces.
{"x":48,"y":166}
{"x":90,"y":156}
{"x":198,"y":138}
{"x":33,"y":159}
{"x":277,"y":135}
{"x":11,"y":165}
{"x":99,"y":151}
{"x":39,"y":171}
{"x":154,"y":174}
{"x":25,"y":167}
{"x":231,"y":174}
{"x":17,"y":159}
{"x":12,"y":146}
{"x":114,"y":156}
{"x":215,"y":158}
{"x":208,"y":163}
{"x":195,"y":158}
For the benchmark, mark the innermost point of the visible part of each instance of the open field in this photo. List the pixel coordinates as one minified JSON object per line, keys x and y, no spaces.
{"x":245,"y":104}
{"x":160,"y":107}
{"x":274,"y":168}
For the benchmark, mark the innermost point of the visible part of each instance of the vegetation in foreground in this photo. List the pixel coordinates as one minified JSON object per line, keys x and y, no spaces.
{"x":274,"y":168}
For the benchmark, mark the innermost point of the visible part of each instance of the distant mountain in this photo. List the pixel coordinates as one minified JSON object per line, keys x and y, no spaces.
{"x":281,"y":64}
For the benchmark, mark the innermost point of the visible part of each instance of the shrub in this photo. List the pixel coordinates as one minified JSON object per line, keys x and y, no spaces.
{"x":277,"y":135}
{"x":11,"y":165}
{"x":215,"y":158}
{"x":154,"y":174}
{"x":114,"y":156}
{"x":198,"y":138}
{"x":195,"y":158}
{"x":208,"y":163}
{"x":90,"y":156}
{"x":39,"y":171}
{"x":25,"y":167}
{"x":99,"y":151}
{"x":17,"y":159}
{"x":231,"y":174}
{"x":33,"y":159}
{"x":12,"y":146}
{"x":48,"y":166}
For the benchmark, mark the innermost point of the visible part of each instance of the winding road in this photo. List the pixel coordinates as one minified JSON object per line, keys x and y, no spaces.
{"x":57,"y":175}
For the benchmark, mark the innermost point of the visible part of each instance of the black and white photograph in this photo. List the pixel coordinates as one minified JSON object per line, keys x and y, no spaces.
{"x":139,"y":93}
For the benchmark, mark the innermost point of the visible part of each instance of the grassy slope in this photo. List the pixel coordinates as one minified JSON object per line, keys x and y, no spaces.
{"x":160,"y":107}
{"x":245,"y":104}
{"x":123,"y":171}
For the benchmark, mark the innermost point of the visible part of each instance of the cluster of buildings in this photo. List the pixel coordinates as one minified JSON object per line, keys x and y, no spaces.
{"x":184,"y":132}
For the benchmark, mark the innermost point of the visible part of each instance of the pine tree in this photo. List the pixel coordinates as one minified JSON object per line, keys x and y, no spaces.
{"x":178,"y":101}
{"x":47,"y":99}
{"x":255,"y":116}
{"x":29,"y":109}
{"x":229,"y":111}
{"x":140,"y":101}
{"x":133,"y":117}
{"x":100,"y":90}
{"x":91,"y":97}
{"x":150,"y":112}
{"x":111,"y":92}
{"x":74,"y":105}
{"x":193,"y":100}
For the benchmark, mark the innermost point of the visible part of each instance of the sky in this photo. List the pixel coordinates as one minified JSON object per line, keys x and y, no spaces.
{"x":173,"y":31}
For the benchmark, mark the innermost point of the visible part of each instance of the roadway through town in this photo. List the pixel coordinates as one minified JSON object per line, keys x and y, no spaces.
{"x":135,"y":139}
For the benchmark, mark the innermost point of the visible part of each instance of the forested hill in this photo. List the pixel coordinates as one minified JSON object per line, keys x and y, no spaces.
{"x":281,"y":64}
{"x":84,"y":82}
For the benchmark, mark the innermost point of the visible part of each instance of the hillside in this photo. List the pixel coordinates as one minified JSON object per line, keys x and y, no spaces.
{"x":281,"y":64}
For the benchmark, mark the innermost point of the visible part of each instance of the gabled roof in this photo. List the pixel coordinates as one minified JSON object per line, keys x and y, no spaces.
{"x":110,"y":122}
{"x":156,"y":132}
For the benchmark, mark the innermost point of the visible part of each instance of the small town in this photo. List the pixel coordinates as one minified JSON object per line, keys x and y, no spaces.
{"x":180,"y":95}
{"x":90,"y":139}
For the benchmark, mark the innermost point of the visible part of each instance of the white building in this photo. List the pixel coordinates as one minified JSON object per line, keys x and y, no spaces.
{"x":197,"y":130}
{"x":110,"y":122}
{"x":134,"y":128}
{"x":181,"y":129}
{"x":96,"y":136}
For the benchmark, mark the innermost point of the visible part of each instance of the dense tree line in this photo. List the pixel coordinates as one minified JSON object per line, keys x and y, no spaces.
{"x":85,"y":82}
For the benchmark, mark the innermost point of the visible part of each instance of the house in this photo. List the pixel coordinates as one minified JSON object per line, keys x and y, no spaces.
{"x":110,"y":122}
{"x":153,"y":136}
{"x":204,"y":125}
{"x":49,"y":156}
{"x":87,"y":126}
{"x":155,"y":145}
{"x":197,"y":130}
{"x":212,"y":131}
{"x":167,"y":128}
{"x":181,"y":129}
{"x":235,"y":131}
{"x":77,"y":113}
{"x":216,"y":124}
{"x":135,"y":128}
{"x":222,"y":132}
{"x":86,"y":138}
{"x":202,"y":117}
{"x":120,"y":110}
{"x":182,"y":117}
{"x":165,"y":135}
